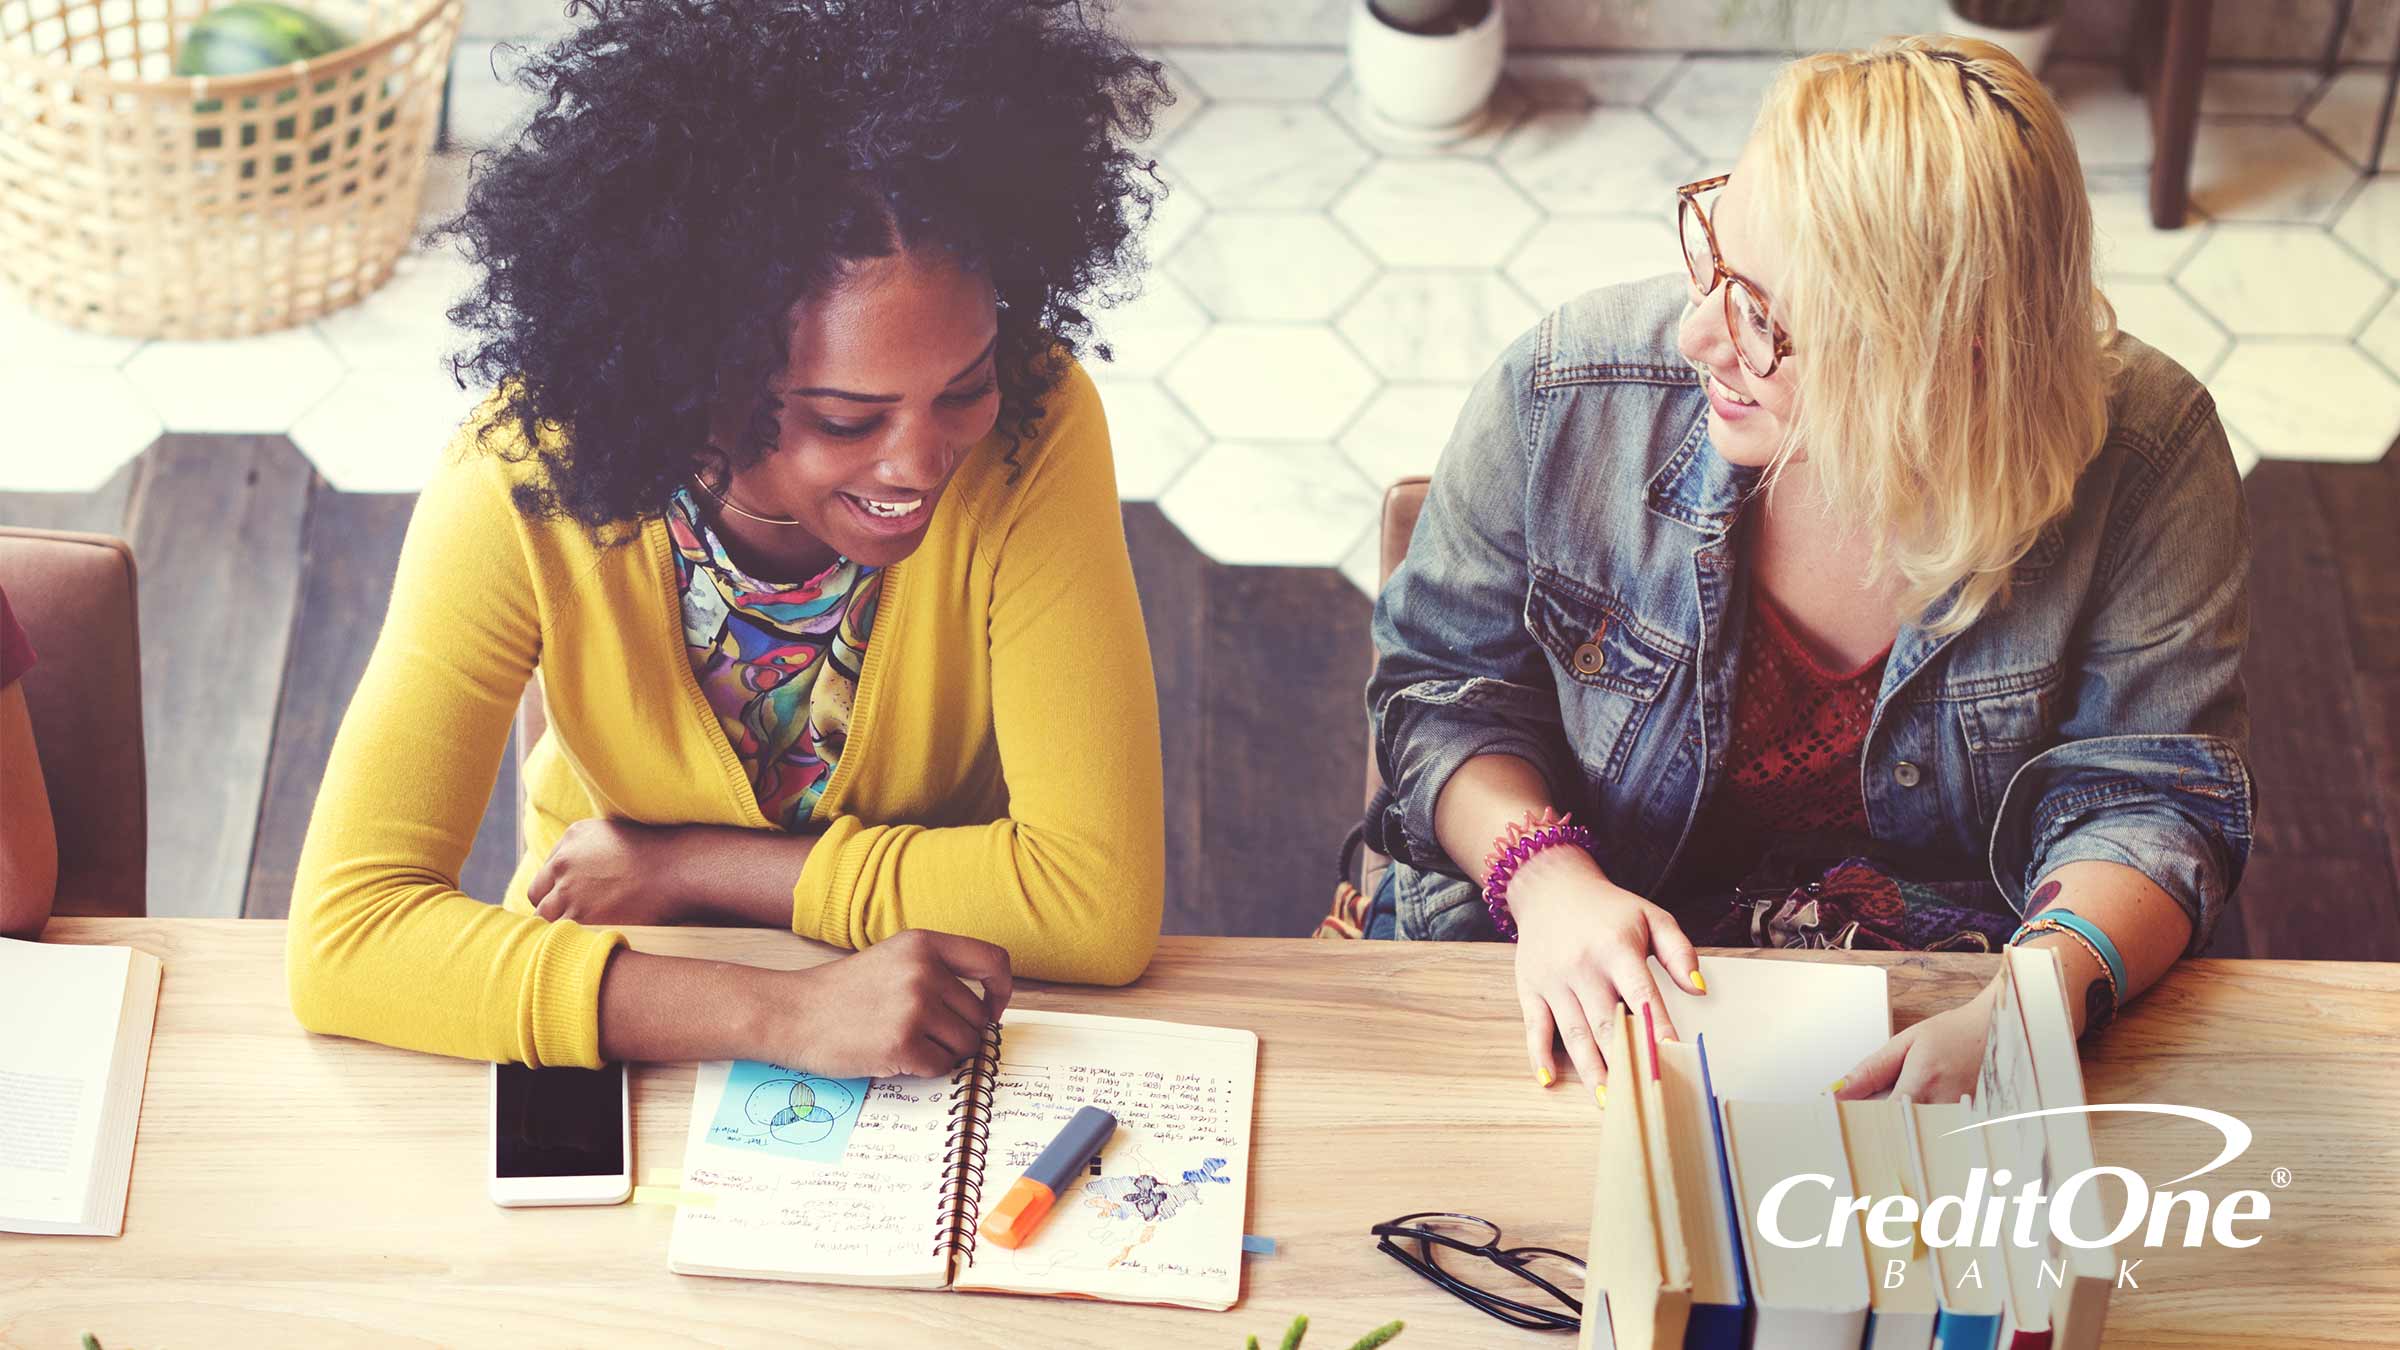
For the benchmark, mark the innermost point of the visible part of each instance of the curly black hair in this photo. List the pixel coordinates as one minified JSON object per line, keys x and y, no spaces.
{"x":697,"y":167}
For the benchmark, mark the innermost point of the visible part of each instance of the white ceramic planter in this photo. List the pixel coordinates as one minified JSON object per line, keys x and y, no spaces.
{"x":2029,"y":45}
{"x":1428,"y":90}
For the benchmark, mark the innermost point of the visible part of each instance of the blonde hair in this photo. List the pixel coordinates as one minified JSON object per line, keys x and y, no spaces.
{"x":1938,"y":281}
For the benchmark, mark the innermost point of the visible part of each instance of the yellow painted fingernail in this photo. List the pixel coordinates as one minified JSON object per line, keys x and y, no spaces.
{"x":1544,"y":1077}
{"x":1837,"y":1084}
{"x":1699,"y":981}
{"x":1600,"y":1093}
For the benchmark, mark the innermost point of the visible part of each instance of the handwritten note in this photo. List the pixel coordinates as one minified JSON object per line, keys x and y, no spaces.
{"x":1158,"y":1216}
{"x":788,"y":1112}
{"x":844,"y":1181}
{"x":869,"y":1214}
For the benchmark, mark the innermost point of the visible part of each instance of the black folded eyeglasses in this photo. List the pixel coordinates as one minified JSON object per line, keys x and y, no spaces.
{"x":1532,"y":1274}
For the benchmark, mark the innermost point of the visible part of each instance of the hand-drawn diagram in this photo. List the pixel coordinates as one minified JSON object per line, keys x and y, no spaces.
{"x":1140,"y":1197}
{"x":787,"y":1112}
{"x":1146,"y":1197}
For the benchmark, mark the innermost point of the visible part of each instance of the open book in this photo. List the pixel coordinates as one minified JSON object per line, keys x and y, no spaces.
{"x":72,"y":1063}
{"x":794,"y":1176}
{"x":2030,"y":1062}
{"x":1671,"y":1262}
{"x":1691,"y":1148}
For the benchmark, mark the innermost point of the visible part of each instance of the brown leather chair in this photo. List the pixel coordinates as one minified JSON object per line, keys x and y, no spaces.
{"x":1402,"y":502}
{"x":76,"y":596}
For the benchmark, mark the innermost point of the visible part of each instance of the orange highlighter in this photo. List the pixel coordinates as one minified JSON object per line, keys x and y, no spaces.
{"x":1012,"y":1222}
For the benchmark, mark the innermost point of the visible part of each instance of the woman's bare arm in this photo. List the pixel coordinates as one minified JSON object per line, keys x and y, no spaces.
{"x":28,"y":836}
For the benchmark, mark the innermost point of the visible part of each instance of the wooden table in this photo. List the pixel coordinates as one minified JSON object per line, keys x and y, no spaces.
{"x":298,"y":1190}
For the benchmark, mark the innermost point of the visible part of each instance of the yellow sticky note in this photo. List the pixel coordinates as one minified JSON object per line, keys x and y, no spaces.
{"x":669,"y":1195}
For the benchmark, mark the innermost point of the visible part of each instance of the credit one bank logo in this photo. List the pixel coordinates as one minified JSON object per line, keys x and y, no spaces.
{"x":1978,"y":1217}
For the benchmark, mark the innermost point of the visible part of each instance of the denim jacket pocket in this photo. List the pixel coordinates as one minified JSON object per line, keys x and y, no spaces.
{"x":2005,"y":721}
{"x":1610,"y":666}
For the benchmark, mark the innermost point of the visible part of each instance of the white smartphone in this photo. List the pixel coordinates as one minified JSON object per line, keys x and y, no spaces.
{"x":561,"y":1136}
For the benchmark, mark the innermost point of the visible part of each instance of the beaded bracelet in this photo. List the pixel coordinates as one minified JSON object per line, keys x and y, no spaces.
{"x":1539,"y":830}
{"x":1539,"y":818}
{"x":2093,"y":937}
{"x":2094,"y":1017}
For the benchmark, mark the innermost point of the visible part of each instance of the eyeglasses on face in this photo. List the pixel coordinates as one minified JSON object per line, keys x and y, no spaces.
{"x":1532,"y":1276}
{"x":1758,"y":342}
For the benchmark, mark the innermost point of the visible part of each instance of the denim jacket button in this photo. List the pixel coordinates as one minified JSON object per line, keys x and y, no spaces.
{"x":1588,"y":659}
{"x":1906,"y":774}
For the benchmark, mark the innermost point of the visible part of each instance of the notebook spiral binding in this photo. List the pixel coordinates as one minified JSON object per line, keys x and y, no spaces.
{"x":962,"y":1178}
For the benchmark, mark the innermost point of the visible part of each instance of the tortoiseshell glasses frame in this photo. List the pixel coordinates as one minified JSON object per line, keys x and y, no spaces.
{"x":1758,"y":341}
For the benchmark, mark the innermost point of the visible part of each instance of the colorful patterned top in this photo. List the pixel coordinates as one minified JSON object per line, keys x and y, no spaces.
{"x":779,"y":663}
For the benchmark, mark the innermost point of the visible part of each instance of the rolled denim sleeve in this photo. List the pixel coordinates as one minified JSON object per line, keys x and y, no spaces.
{"x":2153,"y":771}
{"x":1457,"y":675}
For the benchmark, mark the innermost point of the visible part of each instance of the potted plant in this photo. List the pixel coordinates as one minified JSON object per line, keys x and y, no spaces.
{"x":2022,"y":28}
{"x":1424,"y":68}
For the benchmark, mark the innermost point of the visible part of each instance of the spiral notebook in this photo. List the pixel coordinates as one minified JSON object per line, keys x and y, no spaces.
{"x":790,"y":1175}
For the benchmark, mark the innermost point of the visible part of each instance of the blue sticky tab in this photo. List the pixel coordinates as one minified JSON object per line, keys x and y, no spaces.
{"x":1254,"y":1245}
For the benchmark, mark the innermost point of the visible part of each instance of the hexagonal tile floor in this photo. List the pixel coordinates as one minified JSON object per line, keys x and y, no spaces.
{"x":1318,"y":306}
{"x":1319,"y":301}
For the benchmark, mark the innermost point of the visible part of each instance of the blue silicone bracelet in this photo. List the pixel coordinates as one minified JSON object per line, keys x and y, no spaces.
{"x":2091,"y":933}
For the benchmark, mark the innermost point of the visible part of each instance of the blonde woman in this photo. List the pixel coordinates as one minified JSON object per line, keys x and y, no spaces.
{"x":1859,"y":562}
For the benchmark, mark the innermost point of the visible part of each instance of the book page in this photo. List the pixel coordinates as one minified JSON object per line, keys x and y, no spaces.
{"x":813,"y":1178}
{"x":1622,"y":1260}
{"x":62,"y":1006}
{"x":1779,"y":1030}
{"x":1875,"y":1135}
{"x":1159,"y":1219}
{"x":1950,"y":1152}
{"x":1692,"y":1149}
{"x":1770,"y":1142}
{"x":2036,"y":982}
{"x":2005,"y":1087}
{"x":1667,"y":1204}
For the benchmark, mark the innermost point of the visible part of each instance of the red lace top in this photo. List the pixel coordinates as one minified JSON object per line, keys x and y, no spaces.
{"x":1798,"y":732}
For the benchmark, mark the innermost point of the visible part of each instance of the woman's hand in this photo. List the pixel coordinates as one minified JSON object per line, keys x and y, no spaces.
{"x":1936,"y":1060}
{"x":608,"y":872}
{"x":1583,"y":946}
{"x":901,"y":1006}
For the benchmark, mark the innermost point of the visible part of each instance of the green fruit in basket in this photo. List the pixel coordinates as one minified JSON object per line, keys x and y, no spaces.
{"x":254,"y":35}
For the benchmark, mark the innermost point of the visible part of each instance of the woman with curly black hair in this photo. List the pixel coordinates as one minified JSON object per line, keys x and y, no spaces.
{"x":793,"y":495}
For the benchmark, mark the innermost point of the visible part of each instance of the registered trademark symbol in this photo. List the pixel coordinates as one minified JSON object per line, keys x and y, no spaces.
{"x":2281,"y":1176}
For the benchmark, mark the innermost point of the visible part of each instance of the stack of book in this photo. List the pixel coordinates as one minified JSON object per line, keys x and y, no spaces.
{"x":1696,"y":1175}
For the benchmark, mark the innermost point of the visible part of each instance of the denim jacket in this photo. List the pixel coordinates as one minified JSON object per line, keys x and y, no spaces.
{"x":1572,"y":597}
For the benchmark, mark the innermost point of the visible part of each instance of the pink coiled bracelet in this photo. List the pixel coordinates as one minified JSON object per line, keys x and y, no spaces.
{"x":1539,"y":830}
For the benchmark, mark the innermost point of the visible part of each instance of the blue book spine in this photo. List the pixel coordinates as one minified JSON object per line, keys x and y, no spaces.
{"x":1966,"y":1331}
{"x":1721,"y":1324}
{"x":1716,"y":1326}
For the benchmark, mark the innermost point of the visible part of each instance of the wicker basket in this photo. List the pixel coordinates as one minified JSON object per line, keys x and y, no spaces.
{"x":138,"y":202}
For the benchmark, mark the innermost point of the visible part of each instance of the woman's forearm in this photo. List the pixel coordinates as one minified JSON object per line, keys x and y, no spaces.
{"x":2148,"y":928}
{"x":737,"y":877}
{"x":1483,"y":798}
{"x":672,"y":1008}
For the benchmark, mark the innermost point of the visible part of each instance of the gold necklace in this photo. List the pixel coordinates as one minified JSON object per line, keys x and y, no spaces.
{"x":728,"y":504}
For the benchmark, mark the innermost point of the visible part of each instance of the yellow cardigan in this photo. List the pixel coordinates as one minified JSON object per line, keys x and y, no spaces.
{"x":1002,"y":778}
